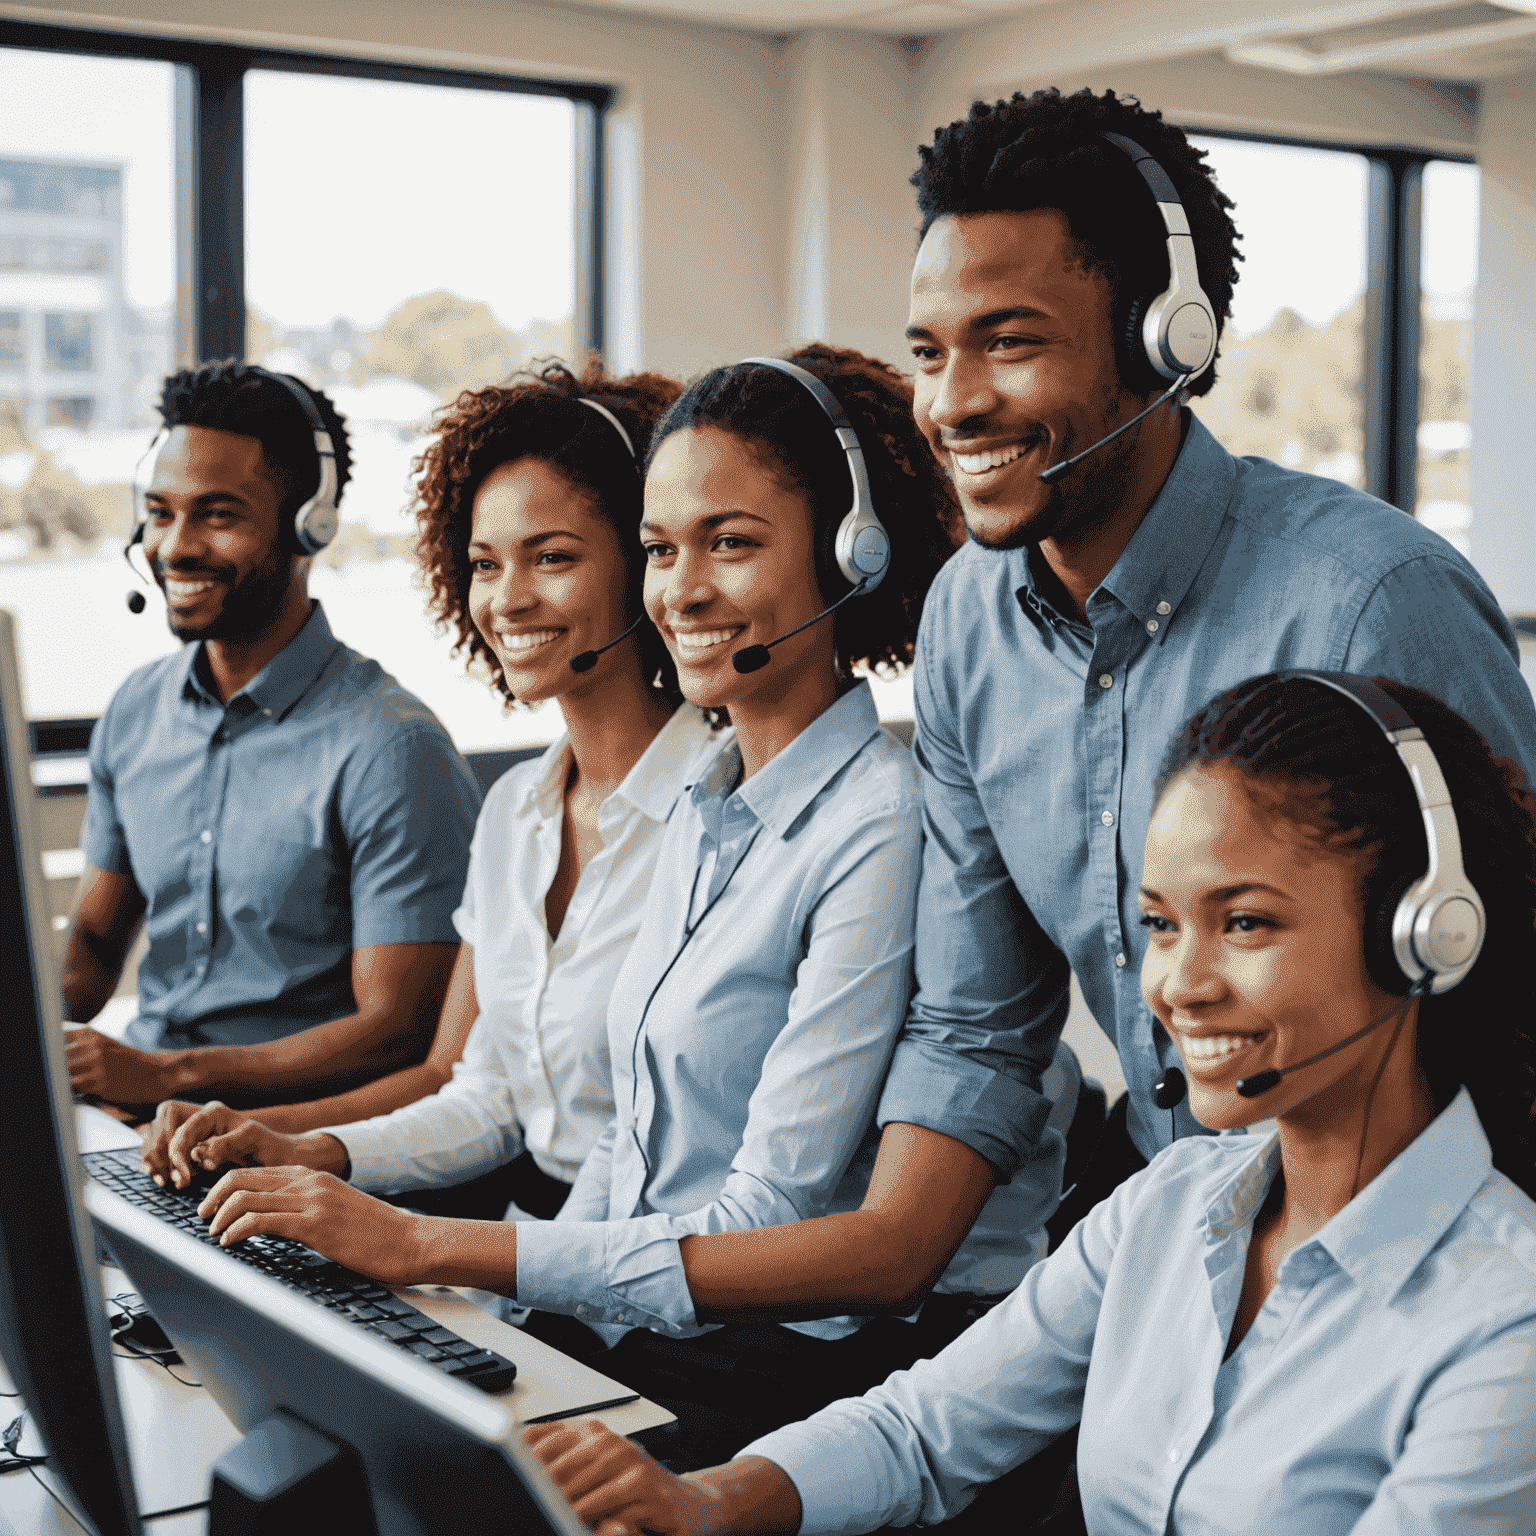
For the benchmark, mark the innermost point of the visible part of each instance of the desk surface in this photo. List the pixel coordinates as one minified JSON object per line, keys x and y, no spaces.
{"x":176,"y":1432}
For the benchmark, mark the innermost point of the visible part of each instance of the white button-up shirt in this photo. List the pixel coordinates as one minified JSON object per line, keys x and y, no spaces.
{"x":535,"y":1071}
{"x":1387,"y":1385}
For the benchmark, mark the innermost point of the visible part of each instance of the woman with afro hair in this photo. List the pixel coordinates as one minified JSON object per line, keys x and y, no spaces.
{"x":528,"y":502}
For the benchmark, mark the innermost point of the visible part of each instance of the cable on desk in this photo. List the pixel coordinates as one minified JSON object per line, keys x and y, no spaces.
{"x":57,"y":1500}
{"x":181,"y":1509}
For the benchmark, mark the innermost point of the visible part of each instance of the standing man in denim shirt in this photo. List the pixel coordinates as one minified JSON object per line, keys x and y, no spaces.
{"x":290,"y":825}
{"x":1088,"y":617}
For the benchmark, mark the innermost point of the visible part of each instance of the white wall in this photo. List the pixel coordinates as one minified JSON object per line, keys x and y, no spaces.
{"x":1504,"y":348}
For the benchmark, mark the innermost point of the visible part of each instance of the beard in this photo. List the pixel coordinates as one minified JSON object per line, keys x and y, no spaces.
{"x":250,"y":605}
{"x":1086,"y":499}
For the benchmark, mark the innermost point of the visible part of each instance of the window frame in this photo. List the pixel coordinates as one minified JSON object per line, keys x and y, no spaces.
{"x":1389,"y":382}
{"x":210,"y":164}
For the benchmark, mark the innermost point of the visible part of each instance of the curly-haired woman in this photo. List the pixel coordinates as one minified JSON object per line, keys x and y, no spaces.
{"x":529,"y":504}
{"x":751,"y":1025}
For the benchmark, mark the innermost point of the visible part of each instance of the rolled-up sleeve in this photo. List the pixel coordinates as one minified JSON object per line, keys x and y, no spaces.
{"x":812,"y":1106}
{"x":992,"y":990}
{"x":409,"y":821}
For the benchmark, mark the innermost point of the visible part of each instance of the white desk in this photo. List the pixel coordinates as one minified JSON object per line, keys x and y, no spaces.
{"x":176,"y":1432}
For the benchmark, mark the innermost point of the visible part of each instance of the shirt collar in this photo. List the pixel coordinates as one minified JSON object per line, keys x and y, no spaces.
{"x":1157,"y":568}
{"x":1384,"y":1234}
{"x":283,"y":681}
{"x":779,"y":791}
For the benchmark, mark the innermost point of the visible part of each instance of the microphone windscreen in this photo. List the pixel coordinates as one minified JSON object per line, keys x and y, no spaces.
{"x":1168,"y":1091}
{"x":750,"y":658}
{"x":1057,"y":471}
{"x":1260,"y":1082}
{"x":135,"y":601}
{"x":583,"y":661}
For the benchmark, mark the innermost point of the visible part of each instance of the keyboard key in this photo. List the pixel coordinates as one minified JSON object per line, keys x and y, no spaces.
{"x":393,"y":1330}
{"x":425,"y":1350}
{"x":440,"y":1336}
{"x":461,"y":1347}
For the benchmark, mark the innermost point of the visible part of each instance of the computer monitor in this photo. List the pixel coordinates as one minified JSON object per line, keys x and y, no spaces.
{"x":344,"y":1432}
{"x":53,"y":1330}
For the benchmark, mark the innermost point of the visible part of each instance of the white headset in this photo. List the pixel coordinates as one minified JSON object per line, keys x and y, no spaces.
{"x":861,"y":547}
{"x":1176,"y":330}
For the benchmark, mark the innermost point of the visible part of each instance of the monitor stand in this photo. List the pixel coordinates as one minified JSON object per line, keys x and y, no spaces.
{"x":286,"y":1479}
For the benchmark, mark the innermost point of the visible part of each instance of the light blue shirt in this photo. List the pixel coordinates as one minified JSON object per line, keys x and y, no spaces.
{"x":745,"y":1074}
{"x":323,"y":809}
{"x":1038,"y":742}
{"x":1388,"y":1384}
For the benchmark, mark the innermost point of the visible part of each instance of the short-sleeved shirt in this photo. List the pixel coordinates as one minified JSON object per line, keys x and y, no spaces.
{"x":322,"y":809}
{"x":1039,"y":739}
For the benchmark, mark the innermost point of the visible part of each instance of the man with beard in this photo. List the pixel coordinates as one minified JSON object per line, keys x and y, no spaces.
{"x":289,"y":823}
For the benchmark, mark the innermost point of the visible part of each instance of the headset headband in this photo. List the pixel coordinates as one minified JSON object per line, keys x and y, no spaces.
{"x":862,"y":547}
{"x":618,"y":426}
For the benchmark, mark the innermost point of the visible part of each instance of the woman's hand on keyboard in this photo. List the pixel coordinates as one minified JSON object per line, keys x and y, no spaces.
{"x":320,"y":1211}
{"x":186,"y":1141}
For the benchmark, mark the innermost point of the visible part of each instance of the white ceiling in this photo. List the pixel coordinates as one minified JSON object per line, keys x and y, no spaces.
{"x":1437,"y":39}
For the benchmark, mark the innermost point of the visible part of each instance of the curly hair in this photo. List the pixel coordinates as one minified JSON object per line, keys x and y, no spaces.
{"x":1046,"y":151}
{"x":537,"y":415}
{"x":1339,"y":774}
{"x":243,"y":398}
{"x":791,"y":435}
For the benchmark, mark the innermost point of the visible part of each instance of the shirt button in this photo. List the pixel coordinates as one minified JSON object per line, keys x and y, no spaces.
{"x":581,"y":1311}
{"x":1151,"y":626}
{"x":1173,"y":1453}
{"x":1120,"y":961}
{"x":1108,"y":818}
{"x":202,"y":927}
{"x":1164,"y":608}
{"x":206,"y":835}
{"x":1106,"y":680}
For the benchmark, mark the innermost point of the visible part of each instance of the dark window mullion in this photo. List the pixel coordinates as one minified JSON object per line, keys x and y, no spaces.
{"x":219,"y":226}
{"x":1389,"y":383}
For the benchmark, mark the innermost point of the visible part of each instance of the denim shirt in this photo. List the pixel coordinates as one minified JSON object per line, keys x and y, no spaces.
{"x":1038,"y":740}
{"x":1387,"y":1385}
{"x":322,"y":809}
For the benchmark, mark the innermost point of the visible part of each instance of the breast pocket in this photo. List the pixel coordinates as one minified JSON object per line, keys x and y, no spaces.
{"x":293,"y":890}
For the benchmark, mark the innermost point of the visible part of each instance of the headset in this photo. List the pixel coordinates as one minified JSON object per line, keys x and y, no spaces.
{"x":1173,"y":332}
{"x":861,"y":548}
{"x":314,"y":524}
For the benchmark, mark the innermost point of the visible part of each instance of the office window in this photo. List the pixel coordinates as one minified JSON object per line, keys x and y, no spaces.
{"x":163,"y":200}
{"x":394,"y":270}
{"x":87,"y":288}
{"x":67,"y":343}
{"x":1448,"y":274}
{"x":1291,"y":361}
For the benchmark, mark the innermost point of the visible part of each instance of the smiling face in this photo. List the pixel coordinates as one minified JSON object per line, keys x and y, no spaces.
{"x":730,"y":564}
{"x":1256,"y":957}
{"x":211,"y":535}
{"x":547,"y":580}
{"x":1016,"y":371}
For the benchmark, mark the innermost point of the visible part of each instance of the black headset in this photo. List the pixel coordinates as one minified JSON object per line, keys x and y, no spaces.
{"x":1173,"y":332}
{"x":315,"y":523}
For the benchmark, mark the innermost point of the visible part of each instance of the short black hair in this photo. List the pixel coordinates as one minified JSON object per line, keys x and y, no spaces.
{"x":782,"y":422}
{"x":1046,"y":151}
{"x":231,"y":396}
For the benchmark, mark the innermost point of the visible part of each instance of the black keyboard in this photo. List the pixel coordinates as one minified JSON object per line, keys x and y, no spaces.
{"x":343,"y":1291}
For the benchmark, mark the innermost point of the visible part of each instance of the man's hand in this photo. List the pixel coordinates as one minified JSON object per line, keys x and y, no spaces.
{"x":103,"y":1068}
{"x":317,"y":1209}
{"x":618,"y":1489}
{"x":185,"y":1140}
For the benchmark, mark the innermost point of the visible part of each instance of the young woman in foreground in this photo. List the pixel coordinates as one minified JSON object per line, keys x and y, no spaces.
{"x":750,"y":1028}
{"x":528,"y":503}
{"x":1331,"y":1329}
